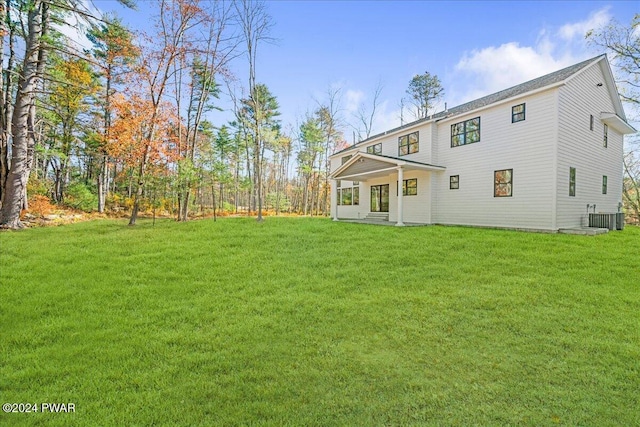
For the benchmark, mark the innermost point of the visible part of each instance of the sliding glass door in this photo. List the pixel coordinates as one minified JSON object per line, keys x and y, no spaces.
{"x":380,"y":198}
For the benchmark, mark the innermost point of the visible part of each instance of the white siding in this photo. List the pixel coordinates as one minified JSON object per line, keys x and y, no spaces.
{"x":390,"y":144}
{"x":527,"y":147}
{"x":582,"y":148}
{"x":415,"y":208}
{"x":540,"y":150}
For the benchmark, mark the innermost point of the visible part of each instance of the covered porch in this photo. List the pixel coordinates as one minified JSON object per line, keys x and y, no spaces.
{"x":383,"y":188}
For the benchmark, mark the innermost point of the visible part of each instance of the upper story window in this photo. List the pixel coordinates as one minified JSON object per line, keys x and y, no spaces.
{"x":591,"y":122}
{"x":466,"y":132}
{"x":345,"y":159}
{"x":604,"y":184}
{"x":375,"y":149}
{"x":503,"y":183}
{"x":517,"y":113}
{"x":572,"y":182}
{"x":605,"y":137}
{"x":408,"y":144}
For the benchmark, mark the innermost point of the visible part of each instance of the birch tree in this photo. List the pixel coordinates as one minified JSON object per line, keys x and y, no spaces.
{"x":23,"y":117}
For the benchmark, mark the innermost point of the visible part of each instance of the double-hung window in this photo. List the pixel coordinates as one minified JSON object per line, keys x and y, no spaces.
{"x":503,"y":183}
{"x":454,"y":182}
{"x":517,"y":113}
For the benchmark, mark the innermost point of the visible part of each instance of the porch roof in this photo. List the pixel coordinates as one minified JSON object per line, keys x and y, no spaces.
{"x":363,"y":166}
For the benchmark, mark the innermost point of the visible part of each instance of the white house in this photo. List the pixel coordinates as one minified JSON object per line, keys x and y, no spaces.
{"x":536,"y":156}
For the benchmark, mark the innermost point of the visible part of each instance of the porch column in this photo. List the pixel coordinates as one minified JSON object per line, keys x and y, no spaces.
{"x":334,"y":200}
{"x":400,"y":197}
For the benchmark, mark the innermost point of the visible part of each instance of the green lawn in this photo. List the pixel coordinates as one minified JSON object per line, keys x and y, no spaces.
{"x":314,"y":323}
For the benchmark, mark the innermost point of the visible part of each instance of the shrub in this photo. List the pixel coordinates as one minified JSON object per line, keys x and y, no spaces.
{"x":37,"y":186}
{"x":40,"y":205}
{"x":80,"y":196}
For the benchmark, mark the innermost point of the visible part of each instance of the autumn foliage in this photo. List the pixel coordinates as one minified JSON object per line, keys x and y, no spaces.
{"x":134,"y":119}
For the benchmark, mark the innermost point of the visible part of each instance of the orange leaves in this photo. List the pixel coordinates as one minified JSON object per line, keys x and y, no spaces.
{"x":138,"y":134}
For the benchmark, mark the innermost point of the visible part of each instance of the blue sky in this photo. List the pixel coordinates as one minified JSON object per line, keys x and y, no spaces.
{"x":475,"y":48}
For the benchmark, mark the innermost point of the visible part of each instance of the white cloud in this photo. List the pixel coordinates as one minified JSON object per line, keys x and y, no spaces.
{"x":495,"y":68}
{"x":578,"y":29}
{"x":484,"y":71}
{"x":353,"y":99}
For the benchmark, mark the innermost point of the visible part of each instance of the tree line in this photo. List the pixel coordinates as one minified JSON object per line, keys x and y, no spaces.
{"x":127,"y":124}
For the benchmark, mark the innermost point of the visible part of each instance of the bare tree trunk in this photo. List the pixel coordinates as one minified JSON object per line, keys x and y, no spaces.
{"x":22,"y":121}
{"x":5,"y":94}
{"x":213,"y":196}
{"x":103,"y":182}
{"x":140,"y":189}
{"x":631,"y":186}
{"x":259,"y":173}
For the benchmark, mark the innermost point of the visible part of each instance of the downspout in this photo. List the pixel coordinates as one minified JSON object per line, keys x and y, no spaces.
{"x":556,"y":146}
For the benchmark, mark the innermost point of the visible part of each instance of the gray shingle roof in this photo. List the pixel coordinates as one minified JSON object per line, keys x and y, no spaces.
{"x":406,"y":160}
{"x":531,"y":85}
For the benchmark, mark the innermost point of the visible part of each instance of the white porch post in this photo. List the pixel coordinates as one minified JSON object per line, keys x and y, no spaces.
{"x":400,"y":197}
{"x":334,"y":200}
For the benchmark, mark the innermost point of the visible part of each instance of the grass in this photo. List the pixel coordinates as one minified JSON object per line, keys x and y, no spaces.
{"x":315,"y":323}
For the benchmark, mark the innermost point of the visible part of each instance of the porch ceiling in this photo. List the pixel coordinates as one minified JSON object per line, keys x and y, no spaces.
{"x":364,"y":166}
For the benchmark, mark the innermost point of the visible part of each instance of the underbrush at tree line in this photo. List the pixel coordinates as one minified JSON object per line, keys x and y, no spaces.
{"x":81,"y":202}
